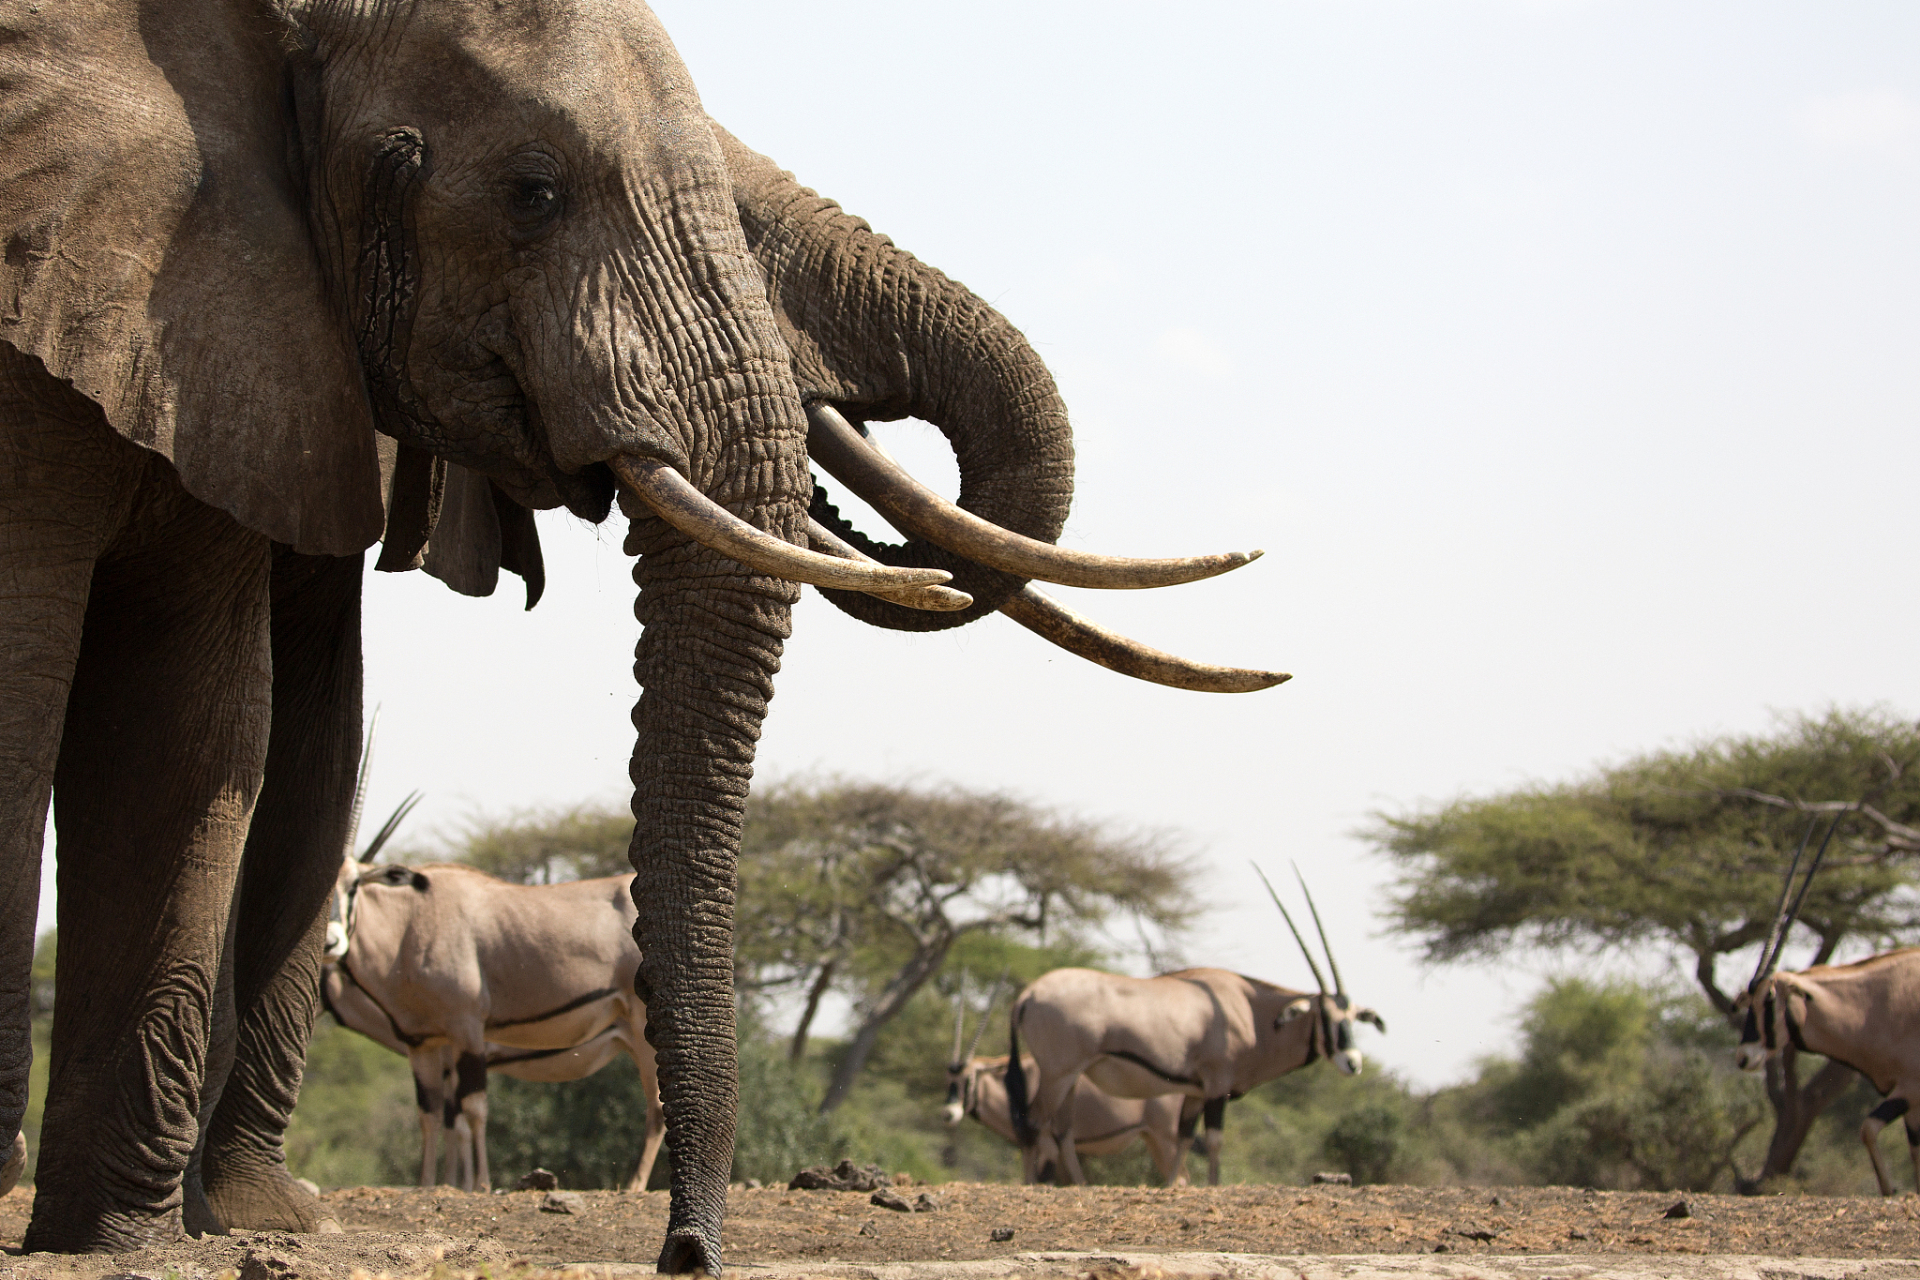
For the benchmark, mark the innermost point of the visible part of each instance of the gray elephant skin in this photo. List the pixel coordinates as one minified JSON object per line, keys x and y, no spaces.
{"x":284,"y":279}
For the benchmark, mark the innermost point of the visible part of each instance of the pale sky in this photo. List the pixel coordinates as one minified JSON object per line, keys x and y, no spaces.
{"x":1562,"y":357}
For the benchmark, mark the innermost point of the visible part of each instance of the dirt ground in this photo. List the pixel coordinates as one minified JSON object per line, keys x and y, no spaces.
{"x":401,"y":1229}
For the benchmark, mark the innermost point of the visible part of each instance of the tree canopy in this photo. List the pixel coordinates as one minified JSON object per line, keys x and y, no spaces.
{"x":1685,"y":847}
{"x":866,"y":888}
{"x":1682,"y":846}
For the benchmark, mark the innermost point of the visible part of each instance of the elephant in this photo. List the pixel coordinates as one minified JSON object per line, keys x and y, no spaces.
{"x":284,"y":278}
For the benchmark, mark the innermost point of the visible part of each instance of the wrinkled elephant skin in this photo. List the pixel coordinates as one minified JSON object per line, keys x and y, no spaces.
{"x":287,"y":278}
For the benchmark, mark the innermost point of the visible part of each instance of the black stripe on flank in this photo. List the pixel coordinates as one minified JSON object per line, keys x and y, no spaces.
{"x":534,"y":1055}
{"x":568,"y":1007}
{"x":1121,"y":1132}
{"x":1139,"y":1061}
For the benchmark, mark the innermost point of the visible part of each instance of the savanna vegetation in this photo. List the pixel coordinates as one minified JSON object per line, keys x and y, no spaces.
{"x":886,"y":904}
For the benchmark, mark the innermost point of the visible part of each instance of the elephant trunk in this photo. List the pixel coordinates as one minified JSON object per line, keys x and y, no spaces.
{"x":882,"y":335}
{"x":706,"y":660}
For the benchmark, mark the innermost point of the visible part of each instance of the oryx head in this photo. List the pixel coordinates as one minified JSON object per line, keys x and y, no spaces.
{"x":347,"y":879}
{"x":1762,"y":1011}
{"x":1335,"y":1010}
{"x":963,"y":1072}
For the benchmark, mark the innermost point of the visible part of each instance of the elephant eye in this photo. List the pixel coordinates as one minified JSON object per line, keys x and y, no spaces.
{"x":532,"y":200}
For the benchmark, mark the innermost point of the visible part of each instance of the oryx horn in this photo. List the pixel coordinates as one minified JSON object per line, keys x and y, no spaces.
{"x":905,"y":502}
{"x":1339,"y":987}
{"x":986,"y":1012}
{"x":1775,"y":931}
{"x":391,"y":825}
{"x":1319,"y":981}
{"x":1793,"y":912}
{"x":959,"y":1018}
{"x":360,"y":787}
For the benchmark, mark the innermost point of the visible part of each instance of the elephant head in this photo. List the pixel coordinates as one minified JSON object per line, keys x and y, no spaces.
{"x":264,"y":234}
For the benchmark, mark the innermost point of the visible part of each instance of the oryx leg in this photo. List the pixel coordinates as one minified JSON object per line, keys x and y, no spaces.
{"x":470,"y":1096}
{"x":1052,"y":1115}
{"x":1215,"y":1112}
{"x":1879,"y":1118}
{"x":429,"y":1095}
{"x":1913,"y":1150}
{"x":642,"y":1052}
{"x":1164,"y":1146}
{"x":1069,"y":1153}
{"x":1189,"y":1120}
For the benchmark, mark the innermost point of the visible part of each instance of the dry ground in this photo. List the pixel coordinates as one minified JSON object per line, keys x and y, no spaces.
{"x":401,"y":1229}
{"x":771,"y":1225}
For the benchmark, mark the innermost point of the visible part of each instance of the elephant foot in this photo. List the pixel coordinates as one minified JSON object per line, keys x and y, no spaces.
{"x":196,"y":1215}
{"x":689,"y":1252}
{"x":62,"y":1227}
{"x":268,"y":1199}
{"x":16,"y":1164}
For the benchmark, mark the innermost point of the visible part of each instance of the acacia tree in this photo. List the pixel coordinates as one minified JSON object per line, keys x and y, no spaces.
{"x":1685,"y":848}
{"x":866,"y":888}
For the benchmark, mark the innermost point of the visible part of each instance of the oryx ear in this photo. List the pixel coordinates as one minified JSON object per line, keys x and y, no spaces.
{"x":1294,"y":1009}
{"x":157,"y":256}
{"x":1368,"y":1015}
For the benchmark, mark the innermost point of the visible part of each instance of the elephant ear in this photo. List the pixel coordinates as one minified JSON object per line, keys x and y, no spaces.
{"x":157,"y":256}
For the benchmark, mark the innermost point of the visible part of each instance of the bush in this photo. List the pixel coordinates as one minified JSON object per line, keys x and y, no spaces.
{"x":1365,"y":1141}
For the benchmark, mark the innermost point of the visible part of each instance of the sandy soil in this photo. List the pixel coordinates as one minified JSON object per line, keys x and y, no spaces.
{"x":400,"y":1229}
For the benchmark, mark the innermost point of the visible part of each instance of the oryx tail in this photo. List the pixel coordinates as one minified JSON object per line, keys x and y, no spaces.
{"x":1017,"y":1101}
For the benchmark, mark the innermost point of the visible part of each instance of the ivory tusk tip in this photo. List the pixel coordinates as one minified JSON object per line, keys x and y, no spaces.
{"x":932,"y":599}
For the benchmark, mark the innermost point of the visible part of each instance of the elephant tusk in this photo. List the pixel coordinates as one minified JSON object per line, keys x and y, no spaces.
{"x":919,"y":511}
{"x":1053,"y":621}
{"x":933,"y":599}
{"x":669,"y":495}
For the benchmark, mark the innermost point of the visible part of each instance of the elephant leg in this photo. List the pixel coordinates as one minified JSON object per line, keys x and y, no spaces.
{"x":165,"y":743}
{"x":292,"y":855}
{"x":65,"y":484}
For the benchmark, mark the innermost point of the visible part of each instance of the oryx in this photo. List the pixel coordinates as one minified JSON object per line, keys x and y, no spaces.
{"x":1865,"y":1014}
{"x":1207,"y":1034}
{"x":1103,"y":1125}
{"x":464,"y":974}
